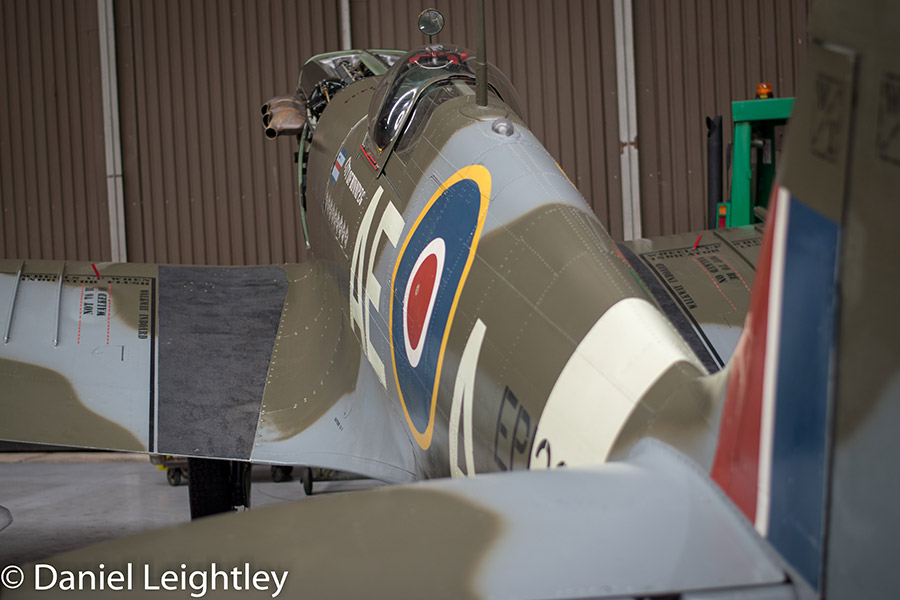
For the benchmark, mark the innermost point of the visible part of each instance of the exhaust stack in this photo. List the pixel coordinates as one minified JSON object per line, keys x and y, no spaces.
{"x":283,"y":115}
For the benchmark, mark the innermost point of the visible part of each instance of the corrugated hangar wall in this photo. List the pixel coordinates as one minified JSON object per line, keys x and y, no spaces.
{"x":561,"y":58}
{"x":693,"y":57}
{"x":52,"y":165}
{"x":202,"y":186}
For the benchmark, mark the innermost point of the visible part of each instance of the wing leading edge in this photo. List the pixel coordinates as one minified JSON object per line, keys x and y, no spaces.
{"x":651,"y":525}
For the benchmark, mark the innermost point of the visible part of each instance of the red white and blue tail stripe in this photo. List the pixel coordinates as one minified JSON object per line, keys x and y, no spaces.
{"x":772,"y":453}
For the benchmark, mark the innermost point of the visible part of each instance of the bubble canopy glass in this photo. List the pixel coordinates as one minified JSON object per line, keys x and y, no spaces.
{"x":412,"y":75}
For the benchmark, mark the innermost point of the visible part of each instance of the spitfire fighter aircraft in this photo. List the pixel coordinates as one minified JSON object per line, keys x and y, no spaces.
{"x":465,"y":313}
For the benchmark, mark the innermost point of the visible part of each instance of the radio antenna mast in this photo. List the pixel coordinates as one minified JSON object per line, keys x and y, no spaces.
{"x":481,"y":60}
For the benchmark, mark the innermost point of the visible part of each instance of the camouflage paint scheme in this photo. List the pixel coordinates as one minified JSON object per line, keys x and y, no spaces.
{"x":556,"y":347}
{"x":492,"y":538}
{"x":530,"y":274}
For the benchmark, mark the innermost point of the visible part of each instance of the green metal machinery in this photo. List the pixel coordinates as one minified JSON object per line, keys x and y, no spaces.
{"x":754,"y":130}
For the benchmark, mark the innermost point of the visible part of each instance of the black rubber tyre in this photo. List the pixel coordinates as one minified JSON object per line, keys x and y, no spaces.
{"x":281,"y":473}
{"x":209,"y":487}
{"x":306,"y":476}
{"x":241,"y":477}
{"x":173,"y":476}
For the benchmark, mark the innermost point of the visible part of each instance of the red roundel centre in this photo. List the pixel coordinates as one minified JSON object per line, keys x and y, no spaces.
{"x":419,"y":299}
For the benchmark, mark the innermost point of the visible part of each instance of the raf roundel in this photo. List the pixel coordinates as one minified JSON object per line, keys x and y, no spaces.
{"x":429,"y":276}
{"x":418,"y":300}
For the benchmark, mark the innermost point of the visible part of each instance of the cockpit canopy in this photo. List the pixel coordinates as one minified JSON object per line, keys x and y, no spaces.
{"x":412,"y":76}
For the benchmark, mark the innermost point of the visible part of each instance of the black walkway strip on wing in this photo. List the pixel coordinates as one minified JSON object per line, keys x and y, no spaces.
{"x":217,"y":328}
{"x":686,"y":327}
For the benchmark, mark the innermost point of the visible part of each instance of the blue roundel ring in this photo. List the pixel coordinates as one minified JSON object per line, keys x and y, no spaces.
{"x":428,"y":279}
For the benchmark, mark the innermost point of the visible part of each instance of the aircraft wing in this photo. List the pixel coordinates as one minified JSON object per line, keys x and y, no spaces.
{"x":254,"y":363}
{"x":702,"y":281}
{"x":653,"y":525}
{"x":5,"y":518}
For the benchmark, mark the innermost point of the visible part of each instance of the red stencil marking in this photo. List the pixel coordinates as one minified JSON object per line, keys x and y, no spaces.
{"x":708,"y":274}
{"x":80,"y":313}
{"x":108,"y":311}
{"x":736,"y":273}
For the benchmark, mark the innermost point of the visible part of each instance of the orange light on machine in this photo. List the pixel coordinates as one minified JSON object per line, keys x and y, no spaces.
{"x":723,"y":212}
{"x":764,"y":90}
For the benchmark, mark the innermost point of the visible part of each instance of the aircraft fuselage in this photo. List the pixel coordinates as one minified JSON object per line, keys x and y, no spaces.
{"x":486,"y":297}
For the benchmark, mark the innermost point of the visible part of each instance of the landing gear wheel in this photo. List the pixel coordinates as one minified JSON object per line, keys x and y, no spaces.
{"x":240,"y":483}
{"x":217,"y":486}
{"x":281,"y":473}
{"x":173,"y":476}
{"x":209,"y":487}
{"x":306,"y":476}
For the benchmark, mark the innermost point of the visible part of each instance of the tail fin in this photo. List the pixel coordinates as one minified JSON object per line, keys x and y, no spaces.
{"x":772,"y":454}
{"x":806,"y":449}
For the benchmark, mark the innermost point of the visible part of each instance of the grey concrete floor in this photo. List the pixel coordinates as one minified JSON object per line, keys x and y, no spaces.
{"x":64,"y":501}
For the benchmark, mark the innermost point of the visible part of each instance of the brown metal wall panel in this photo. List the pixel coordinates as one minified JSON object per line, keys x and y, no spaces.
{"x":561,"y":58}
{"x":202,"y":185}
{"x":692,"y":59}
{"x":52,"y":160}
{"x":127,"y":75}
{"x":95,"y":141}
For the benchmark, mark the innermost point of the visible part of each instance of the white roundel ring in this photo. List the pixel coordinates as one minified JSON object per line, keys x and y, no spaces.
{"x":420,"y":296}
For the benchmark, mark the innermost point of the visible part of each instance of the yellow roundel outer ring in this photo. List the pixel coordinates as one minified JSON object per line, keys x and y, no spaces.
{"x":482,"y":178}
